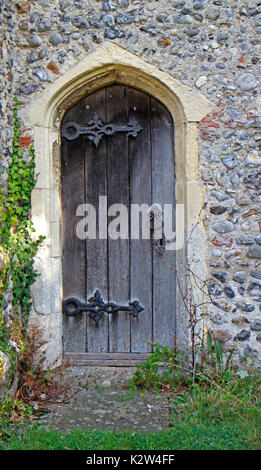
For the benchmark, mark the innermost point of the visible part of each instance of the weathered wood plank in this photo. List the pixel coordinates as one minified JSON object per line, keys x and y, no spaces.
{"x":140,"y":193}
{"x":163,"y":192}
{"x":101,"y":363}
{"x":118,"y":193}
{"x":72,"y":167}
{"x":110,"y":360}
{"x":96,"y":249}
{"x":108,"y":356}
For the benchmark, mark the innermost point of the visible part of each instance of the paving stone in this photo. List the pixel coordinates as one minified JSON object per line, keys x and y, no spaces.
{"x":110,"y":408}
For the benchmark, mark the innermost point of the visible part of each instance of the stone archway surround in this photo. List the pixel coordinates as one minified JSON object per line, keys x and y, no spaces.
{"x":109,"y":64}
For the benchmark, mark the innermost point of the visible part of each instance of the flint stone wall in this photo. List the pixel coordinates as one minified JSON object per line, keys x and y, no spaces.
{"x":211,"y":46}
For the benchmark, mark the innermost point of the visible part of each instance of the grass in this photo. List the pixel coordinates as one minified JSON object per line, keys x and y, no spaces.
{"x":187,"y":434}
{"x":198,"y":422}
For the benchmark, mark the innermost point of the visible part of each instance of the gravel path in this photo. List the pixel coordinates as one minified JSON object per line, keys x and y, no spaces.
{"x":108,"y":405}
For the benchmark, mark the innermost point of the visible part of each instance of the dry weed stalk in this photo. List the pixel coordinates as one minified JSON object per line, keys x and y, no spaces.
{"x":193,"y":285}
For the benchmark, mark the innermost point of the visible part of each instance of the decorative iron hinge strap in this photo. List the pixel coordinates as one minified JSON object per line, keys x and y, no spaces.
{"x":96,"y":307}
{"x":97,"y":129}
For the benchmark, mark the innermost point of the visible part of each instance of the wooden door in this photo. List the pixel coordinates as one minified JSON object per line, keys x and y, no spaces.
{"x":130,"y":162}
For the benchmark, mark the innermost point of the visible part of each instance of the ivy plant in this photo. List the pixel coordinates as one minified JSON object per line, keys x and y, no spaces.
{"x":18,"y":246}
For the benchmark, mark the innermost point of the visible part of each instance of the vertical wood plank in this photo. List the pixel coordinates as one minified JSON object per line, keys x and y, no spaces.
{"x":118,"y":192}
{"x":163,"y":192}
{"x":96,"y":249}
{"x":140,"y":193}
{"x":74,"y":272}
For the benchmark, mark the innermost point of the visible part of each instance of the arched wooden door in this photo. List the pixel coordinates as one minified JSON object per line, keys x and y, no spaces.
{"x":130,"y":162}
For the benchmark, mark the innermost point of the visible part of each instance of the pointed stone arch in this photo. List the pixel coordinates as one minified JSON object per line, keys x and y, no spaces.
{"x":109,"y":64}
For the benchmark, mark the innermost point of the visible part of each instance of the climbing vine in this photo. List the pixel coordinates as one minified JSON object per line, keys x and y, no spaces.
{"x":30,"y":381}
{"x":18,"y":248}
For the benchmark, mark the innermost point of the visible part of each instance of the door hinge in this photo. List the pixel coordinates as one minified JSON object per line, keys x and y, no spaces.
{"x":97,"y":129}
{"x":96,"y":307}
